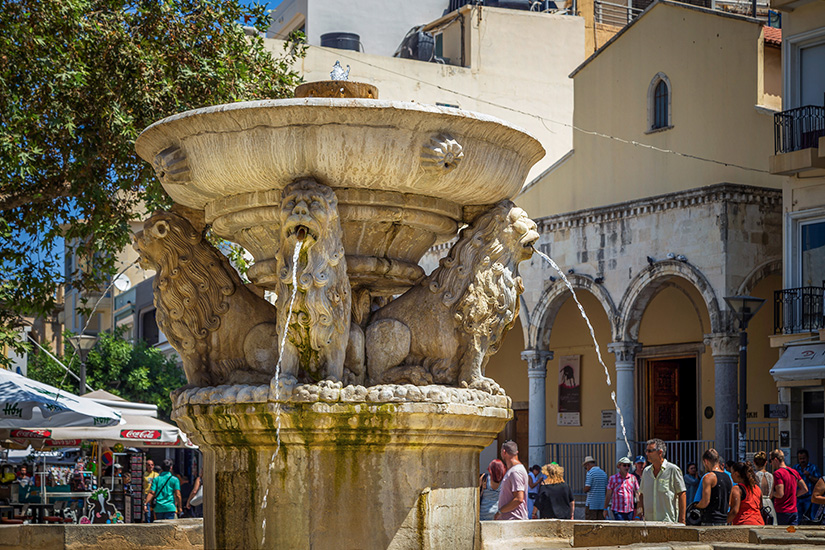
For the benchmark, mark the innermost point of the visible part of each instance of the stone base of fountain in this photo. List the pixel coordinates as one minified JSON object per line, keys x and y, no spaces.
{"x":381,"y":467}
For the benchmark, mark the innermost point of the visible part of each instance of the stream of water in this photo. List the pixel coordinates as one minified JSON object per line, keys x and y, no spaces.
{"x":596,"y":344}
{"x":295,"y":256}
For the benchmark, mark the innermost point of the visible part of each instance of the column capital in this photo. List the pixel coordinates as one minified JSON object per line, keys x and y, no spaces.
{"x":624,"y":351}
{"x":723,"y":343}
{"x":533,"y":356}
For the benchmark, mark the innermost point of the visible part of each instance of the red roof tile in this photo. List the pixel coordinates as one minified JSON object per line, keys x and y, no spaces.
{"x":773,"y":36}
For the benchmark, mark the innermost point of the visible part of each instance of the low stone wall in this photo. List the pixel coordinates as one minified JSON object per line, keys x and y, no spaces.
{"x":173,"y":535}
{"x":503,"y":535}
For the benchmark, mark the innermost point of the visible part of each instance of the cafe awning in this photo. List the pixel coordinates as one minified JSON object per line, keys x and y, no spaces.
{"x":801,"y":362}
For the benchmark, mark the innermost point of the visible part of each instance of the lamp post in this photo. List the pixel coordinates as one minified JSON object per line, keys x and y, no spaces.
{"x":83,"y":344}
{"x":744,"y":307}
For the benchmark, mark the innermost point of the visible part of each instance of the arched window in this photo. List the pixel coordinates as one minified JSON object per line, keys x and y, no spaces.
{"x":659,"y":97}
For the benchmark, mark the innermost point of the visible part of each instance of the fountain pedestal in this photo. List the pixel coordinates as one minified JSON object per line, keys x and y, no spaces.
{"x":357,"y":468}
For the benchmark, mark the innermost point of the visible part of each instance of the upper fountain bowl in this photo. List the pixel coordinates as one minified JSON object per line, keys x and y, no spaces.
{"x":406,"y":175}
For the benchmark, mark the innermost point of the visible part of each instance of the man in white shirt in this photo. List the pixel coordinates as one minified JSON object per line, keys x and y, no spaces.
{"x":662,"y":488}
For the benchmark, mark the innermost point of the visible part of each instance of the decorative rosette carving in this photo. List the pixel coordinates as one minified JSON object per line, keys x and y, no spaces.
{"x":442,"y":154}
{"x":171,"y":166}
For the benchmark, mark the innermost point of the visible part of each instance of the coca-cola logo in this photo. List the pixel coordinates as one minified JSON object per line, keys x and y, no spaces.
{"x":31,"y":434}
{"x":140,"y":434}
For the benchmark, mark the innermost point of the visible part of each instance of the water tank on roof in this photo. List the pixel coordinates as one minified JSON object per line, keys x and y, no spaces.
{"x":341,"y":41}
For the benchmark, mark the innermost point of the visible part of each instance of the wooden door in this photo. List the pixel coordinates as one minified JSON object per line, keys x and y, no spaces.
{"x":517,"y":430}
{"x":663,"y":397}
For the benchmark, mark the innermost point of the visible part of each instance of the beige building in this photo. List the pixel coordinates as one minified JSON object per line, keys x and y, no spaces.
{"x":663,"y":207}
{"x":799,"y":155}
{"x":495,"y":68}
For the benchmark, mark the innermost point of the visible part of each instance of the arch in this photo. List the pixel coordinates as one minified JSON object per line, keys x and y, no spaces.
{"x":649,"y":282}
{"x":762,"y":271}
{"x":551,"y":300}
{"x":659,"y":103}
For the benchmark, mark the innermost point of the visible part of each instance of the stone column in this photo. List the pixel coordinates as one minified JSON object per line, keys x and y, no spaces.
{"x":537,"y":376}
{"x":725,"y":349}
{"x":625,"y":353}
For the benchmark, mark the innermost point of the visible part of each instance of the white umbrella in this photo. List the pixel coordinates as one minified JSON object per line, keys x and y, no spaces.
{"x":26,"y":403}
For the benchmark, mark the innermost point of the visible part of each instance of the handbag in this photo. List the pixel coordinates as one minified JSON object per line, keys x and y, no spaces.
{"x":197,"y":499}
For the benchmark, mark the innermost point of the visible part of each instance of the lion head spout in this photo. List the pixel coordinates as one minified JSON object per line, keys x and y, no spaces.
{"x":320,"y":314}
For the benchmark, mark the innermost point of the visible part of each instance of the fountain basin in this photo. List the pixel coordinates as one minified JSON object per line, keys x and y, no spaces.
{"x":406,"y":174}
{"x":367,"y":468}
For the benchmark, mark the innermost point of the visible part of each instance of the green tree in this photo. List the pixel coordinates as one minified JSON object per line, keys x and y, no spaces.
{"x":79,"y":80}
{"x":135,"y":372}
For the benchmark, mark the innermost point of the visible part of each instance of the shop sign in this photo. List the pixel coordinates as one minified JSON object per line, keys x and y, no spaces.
{"x":776,"y":411}
{"x":31,"y":434}
{"x":609,"y":419}
{"x":62,"y":443}
{"x":140,"y":434}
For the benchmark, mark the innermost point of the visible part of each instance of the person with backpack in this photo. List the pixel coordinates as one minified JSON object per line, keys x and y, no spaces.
{"x":746,"y":497}
{"x":164,"y":494}
{"x":786,"y":488}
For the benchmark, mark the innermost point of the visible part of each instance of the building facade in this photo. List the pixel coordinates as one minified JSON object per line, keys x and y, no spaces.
{"x":799,"y":155}
{"x":663,"y":207}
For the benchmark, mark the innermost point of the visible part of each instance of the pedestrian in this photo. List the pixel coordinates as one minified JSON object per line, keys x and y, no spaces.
{"x":639,"y":467}
{"x":165,"y":493}
{"x":622,"y":489}
{"x":692,"y":480}
{"x":818,"y":498}
{"x":555,"y":499}
{"x":765,"y":478}
{"x":662,"y":493}
{"x":746,"y":497}
{"x":512,"y":497}
{"x":489,"y":484}
{"x":810,"y":475}
{"x":194,"y":504}
{"x":595,"y":486}
{"x":536,"y":477}
{"x":716,"y":487}
{"x":147,"y":484}
{"x":787,"y":486}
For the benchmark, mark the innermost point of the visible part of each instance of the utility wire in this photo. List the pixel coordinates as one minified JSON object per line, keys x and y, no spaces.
{"x":565,"y":124}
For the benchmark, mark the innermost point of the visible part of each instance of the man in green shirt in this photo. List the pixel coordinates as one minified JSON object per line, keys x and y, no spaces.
{"x":166,"y":491}
{"x":662,"y":495}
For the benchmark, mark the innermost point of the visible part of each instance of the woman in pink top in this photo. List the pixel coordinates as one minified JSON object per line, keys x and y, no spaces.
{"x":746,"y":497}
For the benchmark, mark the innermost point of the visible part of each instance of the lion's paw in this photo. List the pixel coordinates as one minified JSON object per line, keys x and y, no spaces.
{"x":487,"y":385}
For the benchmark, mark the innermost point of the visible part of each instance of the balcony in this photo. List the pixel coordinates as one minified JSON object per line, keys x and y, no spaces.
{"x":617,"y":15}
{"x":798,"y":310}
{"x":798,"y":134}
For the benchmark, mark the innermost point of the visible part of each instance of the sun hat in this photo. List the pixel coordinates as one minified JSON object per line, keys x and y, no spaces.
{"x":624,"y":460}
{"x":587,"y":459}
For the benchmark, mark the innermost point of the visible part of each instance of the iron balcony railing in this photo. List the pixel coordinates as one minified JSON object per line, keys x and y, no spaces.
{"x":618,"y":15}
{"x":798,"y":309}
{"x":797,"y":129}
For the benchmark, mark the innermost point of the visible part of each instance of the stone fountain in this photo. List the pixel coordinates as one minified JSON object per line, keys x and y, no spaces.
{"x":351,"y":412}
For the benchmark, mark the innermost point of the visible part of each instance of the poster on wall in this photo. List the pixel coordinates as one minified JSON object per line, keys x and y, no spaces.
{"x":570,"y":401}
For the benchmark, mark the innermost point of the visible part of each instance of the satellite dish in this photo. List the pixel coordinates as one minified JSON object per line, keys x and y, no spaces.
{"x":122,"y":282}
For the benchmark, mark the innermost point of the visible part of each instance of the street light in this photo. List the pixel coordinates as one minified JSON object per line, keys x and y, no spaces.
{"x":744,"y":307}
{"x":83,"y":344}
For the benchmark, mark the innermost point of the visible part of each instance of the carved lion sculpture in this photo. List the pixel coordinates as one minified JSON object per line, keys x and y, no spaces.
{"x":224,"y":332}
{"x":444,"y":329}
{"x":319,"y":317}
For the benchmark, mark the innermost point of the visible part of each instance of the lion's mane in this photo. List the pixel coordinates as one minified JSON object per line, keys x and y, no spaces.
{"x":478,"y":245}
{"x":322,"y":280}
{"x":192,"y":285}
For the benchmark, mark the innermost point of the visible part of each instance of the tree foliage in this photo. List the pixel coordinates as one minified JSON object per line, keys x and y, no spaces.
{"x":135,"y":372}
{"x":79,"y":80}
